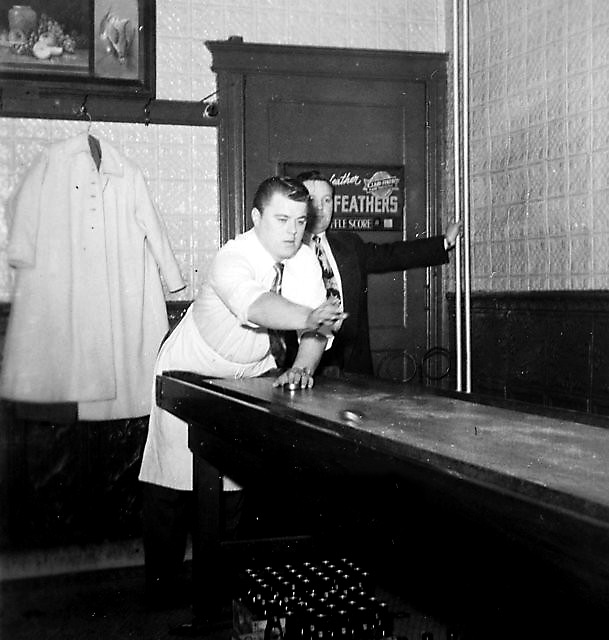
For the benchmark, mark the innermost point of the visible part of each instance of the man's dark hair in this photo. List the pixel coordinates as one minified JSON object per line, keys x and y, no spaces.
{"x":314,"y":176}
{"x":289,"y":187}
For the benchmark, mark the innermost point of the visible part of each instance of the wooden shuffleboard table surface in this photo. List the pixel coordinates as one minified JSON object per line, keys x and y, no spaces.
{"x":562,"y":461}
{"x":517,"y":496}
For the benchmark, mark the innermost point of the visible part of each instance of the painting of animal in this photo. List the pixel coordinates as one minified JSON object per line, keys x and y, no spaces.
{"x":116,"y":47}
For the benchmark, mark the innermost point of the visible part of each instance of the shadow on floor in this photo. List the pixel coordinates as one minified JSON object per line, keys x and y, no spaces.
{"x":87,"y":606}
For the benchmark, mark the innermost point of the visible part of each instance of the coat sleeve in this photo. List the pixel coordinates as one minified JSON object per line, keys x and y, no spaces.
{"x":156,"y":235}
{"x":407,"y":254}
{"x":24,"y":216}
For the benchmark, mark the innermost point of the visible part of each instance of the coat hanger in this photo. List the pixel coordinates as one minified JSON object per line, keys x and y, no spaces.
{"x":84,"y":113}
{"x":147,"y":116}
{"x":210,"y":107}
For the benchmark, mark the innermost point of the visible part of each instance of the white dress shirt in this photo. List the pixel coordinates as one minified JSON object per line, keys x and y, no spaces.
{"x":216,"y":338}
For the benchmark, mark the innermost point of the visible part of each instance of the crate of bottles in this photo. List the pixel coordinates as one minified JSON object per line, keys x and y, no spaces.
{"x":325,"y":600}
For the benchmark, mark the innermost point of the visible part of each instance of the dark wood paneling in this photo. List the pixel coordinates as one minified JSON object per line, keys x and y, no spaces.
{"x":548,"y":348}
{"x":20,"y":104}
{"x":236,"y":63}
{"x":69,"y":482}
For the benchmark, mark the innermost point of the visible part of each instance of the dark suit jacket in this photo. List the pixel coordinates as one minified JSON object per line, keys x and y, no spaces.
{"x":356,"y":259}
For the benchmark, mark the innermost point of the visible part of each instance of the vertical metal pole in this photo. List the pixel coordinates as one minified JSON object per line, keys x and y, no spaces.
{"x":457,"y":190}
{"x":466,"y":222}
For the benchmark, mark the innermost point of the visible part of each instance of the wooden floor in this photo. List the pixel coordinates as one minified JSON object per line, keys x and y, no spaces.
{"x":88,"y":606}
{"x":109,"y":604}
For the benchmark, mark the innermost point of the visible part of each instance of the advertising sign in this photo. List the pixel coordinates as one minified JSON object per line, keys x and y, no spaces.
{"x":366,"y":198}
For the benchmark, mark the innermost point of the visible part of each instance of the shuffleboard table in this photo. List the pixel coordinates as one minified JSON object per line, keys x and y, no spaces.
{"x":494,"y":506}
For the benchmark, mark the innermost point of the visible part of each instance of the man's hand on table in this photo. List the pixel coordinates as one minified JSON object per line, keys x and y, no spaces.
{"x":295,"y":378}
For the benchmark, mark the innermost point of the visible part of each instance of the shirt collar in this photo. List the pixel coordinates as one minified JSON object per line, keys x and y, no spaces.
{"x":110,"y":159}
{"x":311,"y":237}
{"x":265,"y":257}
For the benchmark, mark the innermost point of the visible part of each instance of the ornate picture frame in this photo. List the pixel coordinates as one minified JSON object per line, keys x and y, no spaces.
{"x":102,"y":47}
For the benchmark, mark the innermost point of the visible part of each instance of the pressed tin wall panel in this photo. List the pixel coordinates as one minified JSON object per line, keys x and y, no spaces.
{"x":180,"y":163}
{"x":539,"y":76}
{"x":169,"y":157}
{"x":55,"y":472}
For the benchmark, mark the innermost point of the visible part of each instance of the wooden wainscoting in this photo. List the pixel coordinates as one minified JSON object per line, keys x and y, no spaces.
{"x":546,"y":348}
{"x":65,"y":483}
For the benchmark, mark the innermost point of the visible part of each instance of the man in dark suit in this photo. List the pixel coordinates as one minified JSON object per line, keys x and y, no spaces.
{"x":346,"y":262}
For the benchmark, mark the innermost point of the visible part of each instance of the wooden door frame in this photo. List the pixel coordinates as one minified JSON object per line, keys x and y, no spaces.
{"x":233,"y":61}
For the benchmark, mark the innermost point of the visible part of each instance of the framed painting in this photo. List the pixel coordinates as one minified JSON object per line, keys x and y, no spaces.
{"x":95,"y":46}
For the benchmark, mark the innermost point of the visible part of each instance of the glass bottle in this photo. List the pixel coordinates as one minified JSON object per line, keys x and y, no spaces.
{"x":363,"y":623}
{"x":322,"y":630}
{"x":273,"y":629}
{"x":309,"y":631}
{"x":383,"y":621}
{"x":342,"y":626}
{"x":291,"y":612}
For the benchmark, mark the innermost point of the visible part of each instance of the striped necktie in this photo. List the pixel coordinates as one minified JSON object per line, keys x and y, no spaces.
{"x":276,"y":336}
{"x":327,"y":273}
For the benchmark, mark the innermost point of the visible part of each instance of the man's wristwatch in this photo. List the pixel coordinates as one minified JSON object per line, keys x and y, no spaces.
{"x":316,"y":334}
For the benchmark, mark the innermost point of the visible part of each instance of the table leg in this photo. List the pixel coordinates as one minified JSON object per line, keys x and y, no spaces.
{"x":208,"y":579}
